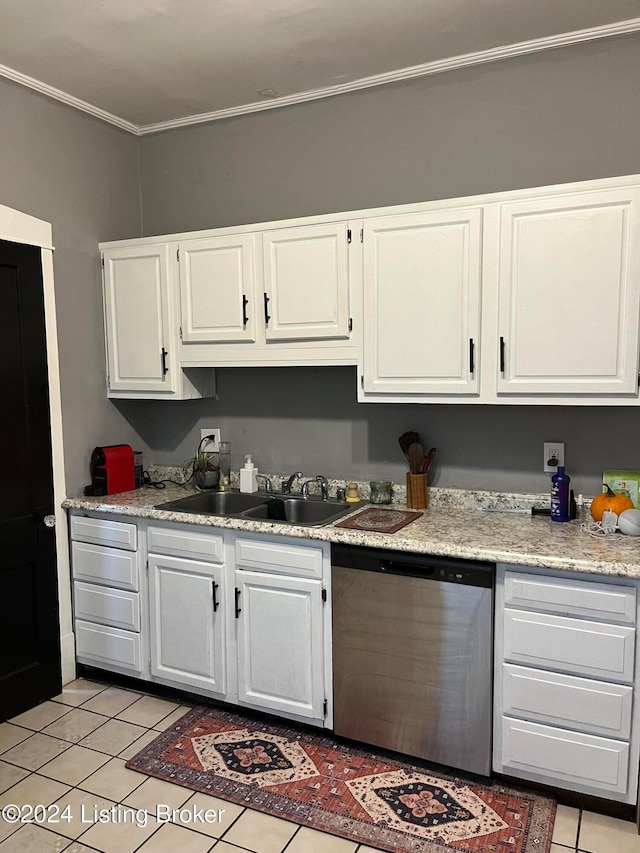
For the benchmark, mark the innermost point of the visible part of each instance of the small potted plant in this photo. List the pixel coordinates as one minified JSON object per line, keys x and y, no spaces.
{"x":203,"y":469}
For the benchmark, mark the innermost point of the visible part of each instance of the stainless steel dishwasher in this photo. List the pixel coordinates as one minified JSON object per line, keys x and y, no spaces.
{"x":412,"y":654}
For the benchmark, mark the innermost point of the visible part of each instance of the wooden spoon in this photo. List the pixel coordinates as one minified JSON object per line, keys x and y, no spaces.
{"x":406,"y":440}
{"x":428,"y":459}
{"x":415,"y":455}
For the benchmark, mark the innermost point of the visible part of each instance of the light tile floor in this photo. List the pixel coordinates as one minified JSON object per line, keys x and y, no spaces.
{"x":69,"y":755}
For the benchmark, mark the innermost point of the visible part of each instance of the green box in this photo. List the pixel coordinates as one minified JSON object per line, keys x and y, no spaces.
{"x":626,"y":482}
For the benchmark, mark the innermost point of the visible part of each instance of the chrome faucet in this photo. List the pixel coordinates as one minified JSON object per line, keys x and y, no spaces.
{"x":268,"y":487}
{"x":287,"y":484}
{"x":324,"y":487}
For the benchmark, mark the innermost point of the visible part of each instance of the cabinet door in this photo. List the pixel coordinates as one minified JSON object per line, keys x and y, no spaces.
{"x":217,"y":289}
{"x":422,"y":278}
{"x":187,"y":636}
{"x":138,"y":311}
{"x":306,"y":279}
{"x":569,"y":286}
{"x":280,"y":643}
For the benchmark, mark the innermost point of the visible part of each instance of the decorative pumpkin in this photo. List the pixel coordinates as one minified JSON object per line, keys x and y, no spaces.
{"x":609,"y":501}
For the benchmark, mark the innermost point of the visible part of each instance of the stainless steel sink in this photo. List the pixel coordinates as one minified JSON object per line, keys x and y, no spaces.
{"x":306,"y":512}
{"x":214,"y":503}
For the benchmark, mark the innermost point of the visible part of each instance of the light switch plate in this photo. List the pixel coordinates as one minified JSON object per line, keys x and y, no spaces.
{"x":210,"y":446}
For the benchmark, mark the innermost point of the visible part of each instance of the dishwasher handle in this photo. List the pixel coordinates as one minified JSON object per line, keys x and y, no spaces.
{"x":410,"y":570}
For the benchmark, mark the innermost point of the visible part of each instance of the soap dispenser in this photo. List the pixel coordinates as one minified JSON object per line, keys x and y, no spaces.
{"x":248,"y":479}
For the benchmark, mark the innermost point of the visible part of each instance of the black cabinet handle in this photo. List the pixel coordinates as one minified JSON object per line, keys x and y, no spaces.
{"x":245,"y":319}
{"x":216,"y":603}
{"x":267,"y":316}
{"x":472,"y":365}
{"x":238,"y":609}
{"x":165,"y":369}
{"x":501,"y":354}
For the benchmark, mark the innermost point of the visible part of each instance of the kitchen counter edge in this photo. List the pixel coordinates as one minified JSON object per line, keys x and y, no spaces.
{"x":519,"y":539}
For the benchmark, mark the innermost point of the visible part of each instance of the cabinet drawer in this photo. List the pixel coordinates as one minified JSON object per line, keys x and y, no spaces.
{"x":569,"y":645}
{"x":580,"y":762}
{"x":579,"y":598}
{"x":563,"y":700}
{"x":266,"y":556}
{"x":102,"y":531}
{"x":101,"y":644}
{"x":96,"y":564}
{"x":116,"y":607}
{"x":186,"y":543}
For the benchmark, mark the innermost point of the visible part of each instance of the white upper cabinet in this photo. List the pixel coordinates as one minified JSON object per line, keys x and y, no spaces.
{"x":138,"y":317}
{"x":525,"y":297}
{"x":142,"y":326}
{"x":422,"y":276}
{"x":217,"y":289}
{"x":269,"y":296}
{"x":569,"y":288}
{"x":520,"y":297}
{"x":306,"y":282}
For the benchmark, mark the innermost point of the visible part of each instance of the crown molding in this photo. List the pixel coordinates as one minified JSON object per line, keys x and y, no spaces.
{"x":424,"y":70}
{"x":65,"y":98}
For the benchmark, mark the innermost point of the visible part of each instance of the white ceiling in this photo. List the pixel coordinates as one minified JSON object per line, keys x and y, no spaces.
{"x":149,"y":64}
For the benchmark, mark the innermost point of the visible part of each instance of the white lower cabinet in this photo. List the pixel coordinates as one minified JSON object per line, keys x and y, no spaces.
{"x":280,"y":643}
{"x":598,"y":707}
{"x":566,"y":759}
{"x":283,"y":626}
{"x":108,"y":597}
{"x":187,"y":623}
{"x":564,"y":684}
{"x":187,"y":608}
{"x":240,"y":617}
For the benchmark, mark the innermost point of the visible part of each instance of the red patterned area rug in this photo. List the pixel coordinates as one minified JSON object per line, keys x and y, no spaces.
{"x":352,"y":791}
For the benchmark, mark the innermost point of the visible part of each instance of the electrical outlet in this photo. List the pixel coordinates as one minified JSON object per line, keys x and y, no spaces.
{"x":553,"y":450}
{"x":210,"y":446}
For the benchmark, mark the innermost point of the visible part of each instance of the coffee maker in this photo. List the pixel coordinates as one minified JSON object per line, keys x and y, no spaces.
{"x":112,"y":470}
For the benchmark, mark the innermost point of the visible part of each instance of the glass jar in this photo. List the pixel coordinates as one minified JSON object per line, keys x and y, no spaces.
{"x":381,"y":491}
{"x":224,"y":457}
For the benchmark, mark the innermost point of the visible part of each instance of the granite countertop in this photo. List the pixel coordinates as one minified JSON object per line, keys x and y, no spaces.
{"x":456,"y":524}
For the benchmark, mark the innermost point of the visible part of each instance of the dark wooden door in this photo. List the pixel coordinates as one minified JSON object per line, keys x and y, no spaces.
{"x":29,"y":623}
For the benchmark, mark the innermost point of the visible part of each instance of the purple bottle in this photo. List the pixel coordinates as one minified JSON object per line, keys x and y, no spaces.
{"x":560,"y":495}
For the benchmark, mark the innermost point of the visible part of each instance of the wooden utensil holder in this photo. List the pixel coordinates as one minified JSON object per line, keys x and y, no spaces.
{"x":417,"y":491}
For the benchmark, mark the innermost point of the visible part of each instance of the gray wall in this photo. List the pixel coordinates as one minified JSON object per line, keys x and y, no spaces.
{"x":307,"y":419}
{"x":563,"y":115}
{"x":82,"y":175}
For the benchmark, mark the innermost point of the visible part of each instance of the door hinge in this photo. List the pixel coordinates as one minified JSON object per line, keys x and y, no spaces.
{"x":180,"y":332}
{"x":362,"y":381}
{"x":350,"y":324}
{"x":324,"y":593}
{"x":102,"y":261}
{"x":348,"y":235}
{"x":362,"y":235}
{"x":325,"y":706}
{"x":178,"y":254}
